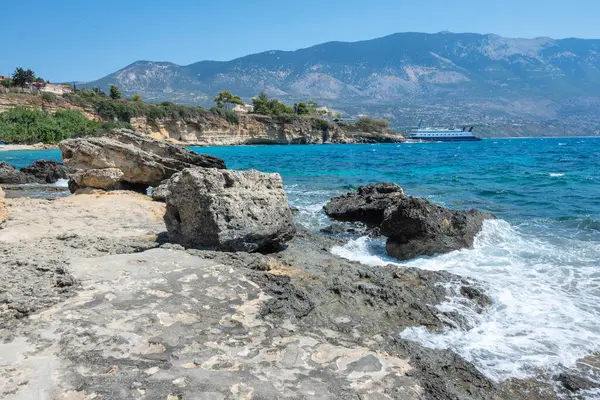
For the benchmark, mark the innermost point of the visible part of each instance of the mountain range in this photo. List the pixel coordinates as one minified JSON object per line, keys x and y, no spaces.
{"x":444,"y":78}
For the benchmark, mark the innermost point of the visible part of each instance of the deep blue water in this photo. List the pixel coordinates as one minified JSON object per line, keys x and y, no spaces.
{"x":540,"y":261}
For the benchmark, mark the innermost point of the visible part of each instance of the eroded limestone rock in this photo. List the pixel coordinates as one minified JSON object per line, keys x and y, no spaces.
{"x":228,"y":210}
{"x":143,"y":161}
{"x":414,"y":226}
{"x":366,"y":205}
{"x":107,"y":179}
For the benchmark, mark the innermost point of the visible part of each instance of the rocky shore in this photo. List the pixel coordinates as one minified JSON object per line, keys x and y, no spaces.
{"x":201,"y":127}
{"x":104,"y":294}
{"x":212,"y":130}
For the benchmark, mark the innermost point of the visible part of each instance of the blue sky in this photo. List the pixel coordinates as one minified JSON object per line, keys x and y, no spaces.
{"x":65,"y":40}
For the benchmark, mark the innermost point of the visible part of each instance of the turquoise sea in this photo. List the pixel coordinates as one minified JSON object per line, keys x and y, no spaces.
{"x":540,"y":261}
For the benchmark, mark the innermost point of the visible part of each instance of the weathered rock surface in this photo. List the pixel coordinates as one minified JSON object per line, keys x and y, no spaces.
{"x":107,"y":179}
{"x":47,"y":171}
{"x":576,"y":383}
{"x":160,"y":192}
{"x":414,"y":226}
{"x":211,"y":129}
{"x":142,"y":160}
{"x":10,"y":175}
{"x":42,"y":235}
{"x":101,"y":318}
{"x":3,"y":209}
{"x":228,"y":210}
{"x":367,"y":205}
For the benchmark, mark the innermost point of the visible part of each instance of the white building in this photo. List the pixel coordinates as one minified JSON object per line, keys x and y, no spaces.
{"x":243,"y":108}
{"x":58,"y":90}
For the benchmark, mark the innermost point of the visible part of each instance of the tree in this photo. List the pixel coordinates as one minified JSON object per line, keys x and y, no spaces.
{"x":7,"y":83}
{"x":312,"y":104}
{"x":115,"y":93}
{"x":136,"y":97}
{"x":22,"y":77}
{"x":225,"y":98}
{"x":39,"y":80}
{"x":261,"y":104}
{"x":301,"y":109}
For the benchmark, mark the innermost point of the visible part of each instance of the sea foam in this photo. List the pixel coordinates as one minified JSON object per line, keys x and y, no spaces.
{"x":545,"y":293}
{"x":62,"y":183}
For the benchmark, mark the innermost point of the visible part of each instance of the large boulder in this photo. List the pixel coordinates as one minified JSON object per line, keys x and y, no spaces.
{"x":142,"y":160}
{"x":228,"y":210}
{"x":10,"y":175}
{"x":160,"y":193}
{"x":414,"y":226}
{"x":47,"y":171}
{"x":367,"y":205}
{"x":3,"y":209}
{"x":107,"y":179}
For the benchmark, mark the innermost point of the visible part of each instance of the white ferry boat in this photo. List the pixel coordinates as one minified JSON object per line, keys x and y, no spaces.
{"x":441,"y":134}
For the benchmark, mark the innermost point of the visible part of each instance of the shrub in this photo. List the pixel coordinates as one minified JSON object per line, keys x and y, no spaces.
{"x":49,"y":97}
{"x":301,"y":109}
{"x":368,"y":124}
{"x":27,"y":125}
{"x":320,"y":124}
{"x":77,"y":99}
{"x":230,"y":116}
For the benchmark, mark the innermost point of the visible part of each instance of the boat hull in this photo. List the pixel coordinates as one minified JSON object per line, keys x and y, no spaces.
{"x":445,"y":139}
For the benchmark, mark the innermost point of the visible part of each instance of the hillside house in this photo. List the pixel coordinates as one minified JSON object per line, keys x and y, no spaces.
{"x":58,"y":90}
{"x":243,"y":108}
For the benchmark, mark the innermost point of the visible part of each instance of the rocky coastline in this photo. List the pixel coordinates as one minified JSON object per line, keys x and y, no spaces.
{"x":212,"y":130}
{"x":213,"y":292}
{"x":205,"y":128}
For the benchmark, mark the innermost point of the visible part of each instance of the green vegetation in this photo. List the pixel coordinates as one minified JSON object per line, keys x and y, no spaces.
{"x":49,"y":97}
{"x":368,"y":124}
{"x":123,"y":110}
{"x":225,"y":99}
{"x":115,"y":93}
{"x":301,"y":109}
{"x":320,"y":124}
{"x":265,"y":106}
{"x":27,"y":126}
{"x":230,"y":116}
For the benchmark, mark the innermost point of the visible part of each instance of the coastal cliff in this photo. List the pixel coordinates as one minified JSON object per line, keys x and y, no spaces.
{"x":195,"y":125}
{"x":255,"y":129}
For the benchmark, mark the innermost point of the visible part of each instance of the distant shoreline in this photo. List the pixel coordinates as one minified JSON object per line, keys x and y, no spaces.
{"x":26,"y":147}
{"x":42,"y":146}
